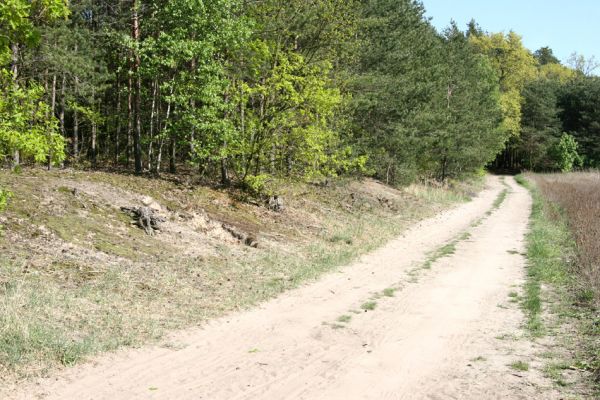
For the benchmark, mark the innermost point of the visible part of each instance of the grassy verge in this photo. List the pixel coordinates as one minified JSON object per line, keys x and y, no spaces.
{"x":77,"y":279}
{"x":549,"y":248}
{"x":552,"y":277}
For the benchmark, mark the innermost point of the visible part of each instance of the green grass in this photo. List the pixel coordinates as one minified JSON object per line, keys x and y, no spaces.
{"x":389,"y":292}
{"x":500,"y":199}
{"x":520,"y":366}
{"x":369,"y":305}
{"x":555,"y":372}
{"x":441,"y":252}
{"x":344,"y":318}
{"x":548,"y":243}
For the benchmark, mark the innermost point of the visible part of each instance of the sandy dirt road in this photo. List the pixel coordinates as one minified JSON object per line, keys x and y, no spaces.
{"x":442,"y":335}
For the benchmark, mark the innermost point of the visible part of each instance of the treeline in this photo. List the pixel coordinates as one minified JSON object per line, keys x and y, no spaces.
{"x":244,"y":90}
{"x":560,"y":125}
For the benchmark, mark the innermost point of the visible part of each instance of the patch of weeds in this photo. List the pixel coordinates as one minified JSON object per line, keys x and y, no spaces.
{"x":479,"y":359}
{"x":519,"y":366}
{"x":500,"y":199}
{"x":507,"y":336}
{"x":464,"y":236}
{"x":344,"y":318}
{"x":254,"y":350}
{"x":355,"y":311}
{"x":554,"y":371}
{"x":389,"y":292}
{"x":441,"y":252}
{"x":547,"y":354}
{"x":341,"y":237}
{"x":513,"y":294}
{"x":548,"y":241}
{"x":476,"y":223}
{"x":369,"y":305}
{"x":64,"y":189}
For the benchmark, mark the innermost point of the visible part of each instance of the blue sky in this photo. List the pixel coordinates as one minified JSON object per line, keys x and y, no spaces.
{"x":565,"y":26}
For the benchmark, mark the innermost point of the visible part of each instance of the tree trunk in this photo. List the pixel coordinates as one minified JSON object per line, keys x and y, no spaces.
{"x":151,"y":133}
{"x":173,"y":149}
{"x":224,"y":172}
{"x":135,"y":34}
{"x":75,"y":134}
{"x":52,"y":114}
{"x":118,"y":116}
{"x":94,"y":151}
{"x":193,"y":108}
{"x":172,"y":154}
{"x":162,"y":135}
{"x":62,"y":104}
{"x":129,"y":121}
{"x":14,"y":69}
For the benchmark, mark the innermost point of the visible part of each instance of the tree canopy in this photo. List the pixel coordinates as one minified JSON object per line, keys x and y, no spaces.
{"x":242,"y":92}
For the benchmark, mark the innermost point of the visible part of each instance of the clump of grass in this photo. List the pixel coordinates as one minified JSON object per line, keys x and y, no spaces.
{"x":500,"y":199}
{"x":344,"y":318}
{"x":369,"y":305}
{"x":555,"y":371}
{"x":341,"y":237}
{"x":507,"y":336}
{"x":520,"y":366}
{"x":441,"y":252}
{"x":389,"y":292}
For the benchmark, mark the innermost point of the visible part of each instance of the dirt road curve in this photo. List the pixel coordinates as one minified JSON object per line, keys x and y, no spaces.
{"x":443,"y":335}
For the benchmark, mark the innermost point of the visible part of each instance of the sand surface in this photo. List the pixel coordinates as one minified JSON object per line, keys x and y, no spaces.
{"x":442,"y":335}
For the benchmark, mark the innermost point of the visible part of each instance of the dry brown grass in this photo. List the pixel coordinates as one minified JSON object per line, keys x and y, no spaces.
{"x":578,"y":195}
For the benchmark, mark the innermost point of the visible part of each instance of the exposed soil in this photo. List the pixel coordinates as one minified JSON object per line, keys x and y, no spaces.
{"x":445,"y":332}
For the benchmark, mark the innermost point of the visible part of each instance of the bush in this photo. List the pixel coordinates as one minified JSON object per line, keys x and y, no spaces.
{"x":5,"y":195}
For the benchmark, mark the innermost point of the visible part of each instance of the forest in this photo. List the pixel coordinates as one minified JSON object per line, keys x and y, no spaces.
{"x":243,"y":91}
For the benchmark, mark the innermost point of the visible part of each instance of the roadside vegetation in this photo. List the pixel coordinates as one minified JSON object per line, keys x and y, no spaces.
{"x":215,"y":111}
{"x":564,"y":268}
{"x":76,"y":278}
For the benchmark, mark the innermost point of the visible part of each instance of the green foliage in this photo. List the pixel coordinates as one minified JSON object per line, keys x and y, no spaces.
{"x":18,"y":20}
{"x":580,"y":115}
{"x":5,"y":196}
{"x":24,"y":123}
{"x":424,"y":105}
{"x":257,"y":184}
{"x":515,"y":66}
{"x":259,"y":90}
{"x":565,"y":153}
{"x":545,"y":56}
{"x":392,"y":86}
